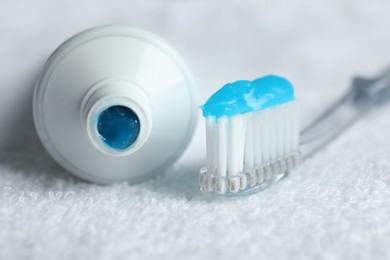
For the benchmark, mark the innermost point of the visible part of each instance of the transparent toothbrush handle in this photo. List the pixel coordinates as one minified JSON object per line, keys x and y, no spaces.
{"x":363,"y":95}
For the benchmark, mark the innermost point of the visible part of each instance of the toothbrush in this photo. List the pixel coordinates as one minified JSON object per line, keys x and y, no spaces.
{"x":251,"y":134}
{"x":252,"y":131}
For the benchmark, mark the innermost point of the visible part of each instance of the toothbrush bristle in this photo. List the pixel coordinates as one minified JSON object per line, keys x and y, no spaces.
{"x":246,"y":150}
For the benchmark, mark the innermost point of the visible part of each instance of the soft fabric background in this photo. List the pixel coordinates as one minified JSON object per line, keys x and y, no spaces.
{"x":335,"y":206}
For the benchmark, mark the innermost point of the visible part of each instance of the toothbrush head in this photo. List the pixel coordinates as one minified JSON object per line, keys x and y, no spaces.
{"x":252,"y":136}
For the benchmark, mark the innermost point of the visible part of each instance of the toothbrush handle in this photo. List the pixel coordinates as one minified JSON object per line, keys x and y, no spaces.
{"x":363,"y":95}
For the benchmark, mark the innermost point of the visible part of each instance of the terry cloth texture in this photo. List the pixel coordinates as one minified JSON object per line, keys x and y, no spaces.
{"x":335,"y":206}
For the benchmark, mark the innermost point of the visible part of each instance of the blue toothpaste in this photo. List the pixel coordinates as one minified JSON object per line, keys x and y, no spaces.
{"x":118,"y":127}
{"x":245,"y":96}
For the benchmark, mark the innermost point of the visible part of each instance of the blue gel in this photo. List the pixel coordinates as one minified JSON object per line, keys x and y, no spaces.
{"x":118,"y":127}
{"x":245,"y":96}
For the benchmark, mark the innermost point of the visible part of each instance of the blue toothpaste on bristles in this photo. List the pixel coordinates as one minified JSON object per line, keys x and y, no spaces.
{"x":252,"y":134}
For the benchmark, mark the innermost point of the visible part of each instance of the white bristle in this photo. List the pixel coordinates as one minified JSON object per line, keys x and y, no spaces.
{"x":282,"y":132}
{"x":280,"y":129}
{"x":235,"y":145}
{"x":249,"y":159}
{"x":211,"y":144}
{"x":251,"y":143}
{"x":295,"y":128}
{"x":222,"y":145}
{"x":287,"y":130}
{"x":264,"y":136}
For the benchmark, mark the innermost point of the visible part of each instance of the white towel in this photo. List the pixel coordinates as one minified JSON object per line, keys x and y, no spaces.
{"x":335,"y":206}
